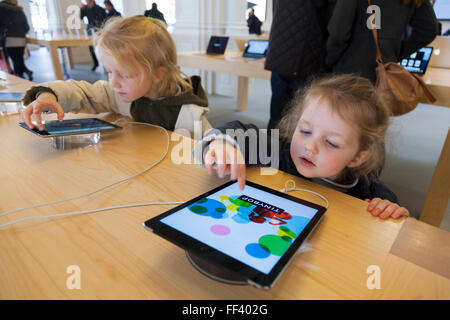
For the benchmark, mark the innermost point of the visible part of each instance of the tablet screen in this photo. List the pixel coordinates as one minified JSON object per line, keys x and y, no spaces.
{"x":11,"y":96}
{"x":418,"y":61}
{"x":73,"y":126}
{"x":255,"y":226}
{"x":256,"y":48}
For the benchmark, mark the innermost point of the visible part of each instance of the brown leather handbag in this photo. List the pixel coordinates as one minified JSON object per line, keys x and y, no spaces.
{"x":400,"y":89}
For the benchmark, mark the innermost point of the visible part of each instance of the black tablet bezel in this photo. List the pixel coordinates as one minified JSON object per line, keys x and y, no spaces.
{"x":254,"y":55}
{"x":253,"y":276}
{"x":45,"y":134}
{"x":2,"y":99}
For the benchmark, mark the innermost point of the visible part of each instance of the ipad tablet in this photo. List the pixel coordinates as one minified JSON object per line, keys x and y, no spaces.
{"x":11,"y":96}
{"x":57,"y":128}
{"x":417,"y":62}
{"x":217,"y":45}
{"x":256,"y":49}
{"x":252,"y":233}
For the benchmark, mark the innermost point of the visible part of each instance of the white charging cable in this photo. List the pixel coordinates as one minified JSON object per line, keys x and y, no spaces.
{"x":96,"y":191}
{"x":89,"y":211}
{"x":287,"y":189}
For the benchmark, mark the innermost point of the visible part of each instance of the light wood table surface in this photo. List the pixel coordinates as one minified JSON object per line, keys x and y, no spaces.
{"x":11,"y":83}
{"x":438,"y":80}
{"x":54,"y":41}
{"x":119,"y":259}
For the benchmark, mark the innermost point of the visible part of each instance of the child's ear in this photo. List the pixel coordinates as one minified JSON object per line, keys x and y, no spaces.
{"x":158,"y":74}
{"x":359,"y":159}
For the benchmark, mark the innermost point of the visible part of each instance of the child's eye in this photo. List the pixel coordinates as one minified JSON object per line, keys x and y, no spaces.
{"x":331,"y":144}
{"x":305,"y":131}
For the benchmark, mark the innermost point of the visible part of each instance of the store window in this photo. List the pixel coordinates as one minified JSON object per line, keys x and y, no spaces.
{"x":39,"y":18}
{"x":167,"y":7}
{"x":260,"y":8}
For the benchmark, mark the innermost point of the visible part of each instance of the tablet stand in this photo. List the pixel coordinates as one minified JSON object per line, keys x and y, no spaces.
{"x":75,"y":141}
{"x":214,"y":272}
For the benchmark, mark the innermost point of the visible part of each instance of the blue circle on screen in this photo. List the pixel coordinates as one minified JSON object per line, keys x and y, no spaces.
{"x":257,"y":251}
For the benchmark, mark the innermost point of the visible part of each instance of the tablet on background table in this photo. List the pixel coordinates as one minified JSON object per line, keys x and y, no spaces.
{"x":217,"y":45}
{"x":252,"y":234}
{"x":256,"y":49}
{"x":418,"y":61}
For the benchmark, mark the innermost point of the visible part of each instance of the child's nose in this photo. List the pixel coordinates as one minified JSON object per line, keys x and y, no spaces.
{"x":311,"y":146}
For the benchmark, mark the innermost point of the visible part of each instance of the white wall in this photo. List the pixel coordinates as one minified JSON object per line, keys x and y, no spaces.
{"x":132,"y":7}
{"x":269,"y":16}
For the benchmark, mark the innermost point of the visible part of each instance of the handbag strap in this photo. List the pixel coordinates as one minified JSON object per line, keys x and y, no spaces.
{"x":426,"y":90}
{"x":375,"y":38}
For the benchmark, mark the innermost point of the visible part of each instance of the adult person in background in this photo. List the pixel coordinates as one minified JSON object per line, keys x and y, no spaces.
{"x":351,"y":47}
{"x":155,"y":13}
{"x":13,"y":28}
{"x":110,"y":10}
{"x":296,"y":48}
{"x":254,"y":24}
{"x":96,"y":15}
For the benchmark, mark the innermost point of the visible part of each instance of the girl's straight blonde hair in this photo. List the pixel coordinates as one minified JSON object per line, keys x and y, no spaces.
{"x":355,"y":100}
{"x":141,"y":45}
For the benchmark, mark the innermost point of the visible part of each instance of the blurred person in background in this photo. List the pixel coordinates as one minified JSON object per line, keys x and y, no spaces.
{"x":155,"y":13}
{"x":253,"y":23}
{"x":13,"y":28}
{"x":111,"y":11}
{"x":96,"y":15}
{"x":405,"y":27}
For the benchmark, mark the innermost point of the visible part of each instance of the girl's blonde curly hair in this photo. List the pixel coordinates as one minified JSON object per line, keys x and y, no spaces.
{"x":355,"y":100}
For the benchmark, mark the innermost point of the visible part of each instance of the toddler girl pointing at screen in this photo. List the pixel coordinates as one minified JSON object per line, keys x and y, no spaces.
{"x":145,"y":82}
{"x":333,"y":134}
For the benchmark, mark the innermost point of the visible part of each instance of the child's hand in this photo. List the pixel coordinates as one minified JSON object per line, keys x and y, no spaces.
{"x":385,"y":209}
{"x":44,"y":101}
{"x":228,"y":159}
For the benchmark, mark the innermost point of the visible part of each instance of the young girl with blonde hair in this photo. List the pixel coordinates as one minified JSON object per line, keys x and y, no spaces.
{"x":333,"y":134}
{"x":145,"y":82}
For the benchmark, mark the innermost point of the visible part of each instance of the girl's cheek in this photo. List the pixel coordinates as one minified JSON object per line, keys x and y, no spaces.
{"x":296,"y":144}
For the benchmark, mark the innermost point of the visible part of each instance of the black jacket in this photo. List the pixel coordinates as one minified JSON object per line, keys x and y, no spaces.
{"x":13,"y":22}
{"x":298,"y":37}
{"x":351,"y":47}
{"x":254,"y":25}
{"x":96,"y":16}
{"x":367,"y":187}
